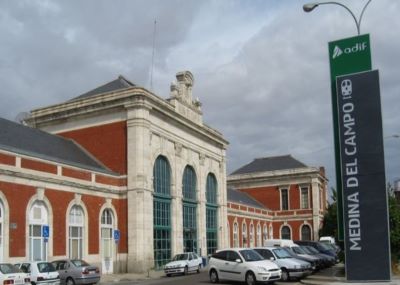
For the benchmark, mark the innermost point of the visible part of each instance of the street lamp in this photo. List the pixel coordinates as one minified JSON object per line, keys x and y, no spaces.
{"x":311,"y":6}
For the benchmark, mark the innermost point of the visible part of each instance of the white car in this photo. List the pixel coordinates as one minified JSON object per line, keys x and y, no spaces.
{"x":11,"y":275}
{"x":40,"y":272}
{"x":242,"y":264}
{"x":183,"y":263}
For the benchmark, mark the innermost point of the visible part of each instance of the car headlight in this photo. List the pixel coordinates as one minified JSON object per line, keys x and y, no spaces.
{"x":262,"y":269}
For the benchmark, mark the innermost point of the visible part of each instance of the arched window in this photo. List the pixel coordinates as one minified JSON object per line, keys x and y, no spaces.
{"x":1,"y":230}
{"x":75,"y":232}
{"x":259,"y":235}
{"x":38,"y":221}
{"x":211,"y":214}
{"x":305,"y":232}
{"x":285,"y":233}
{"x":244,"y":234}
{"x":251,"y":235}
{"x":265,"y":235}
{"x":106,"y":234}
{"x":189,"y":205}
{"x":271,"y":232}
{"x":235,"y":235}
{"x":162,"y":212}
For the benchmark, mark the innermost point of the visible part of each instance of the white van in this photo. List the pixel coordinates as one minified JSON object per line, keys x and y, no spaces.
{"x":279,"y":242}
{"x":327,"y":239}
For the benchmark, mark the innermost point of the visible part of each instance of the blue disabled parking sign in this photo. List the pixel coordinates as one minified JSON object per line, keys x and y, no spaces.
{"x":116,"y":235}
{"x":45,"y":233}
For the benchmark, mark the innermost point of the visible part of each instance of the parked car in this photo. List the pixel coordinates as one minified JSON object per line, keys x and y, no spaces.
{"x":12,"y":275}
{"x":299,"y":253}
{"x":76,"y":271}
{"x":183,"y":263}
{"x":290,"y":266}
{"x":327,"y":259}
{"x":242,"y":264}
{"x":321,"y":247}
{"x":40,"y":272}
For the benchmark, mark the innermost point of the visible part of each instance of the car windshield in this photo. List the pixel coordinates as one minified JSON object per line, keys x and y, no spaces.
{"x":281,"y":253}
{"x":298,"y":250}
{"x":7,"y":268}
{"x":46,"y":267}
{"x":322,"y":246}
{"x":183,"y":256}
{"x":250,"y":255}
{"x":79,"y":262}
{"x":313,"y":250}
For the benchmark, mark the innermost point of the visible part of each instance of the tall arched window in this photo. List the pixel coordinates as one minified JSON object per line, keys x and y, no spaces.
{"x":265,"y":235}
{"x":271,"y":232}
{"x":1,"y":230}
{"x":235,"y":235}
{"x":285,"y":233}
{"x":244,"y":234}
{"x":259,"y":235}
{"x":251,"y":235}
{"x":38,"y":220}
{"x":305,"y":232}
{"x":106,"y":233}
{"x":189,"y":205}
{"x":162,"y":211}
{"x":75,"y":232}
{"x":211,"y":214}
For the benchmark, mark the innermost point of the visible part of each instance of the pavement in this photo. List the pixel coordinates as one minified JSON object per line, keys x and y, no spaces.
{"x":334,"y":275}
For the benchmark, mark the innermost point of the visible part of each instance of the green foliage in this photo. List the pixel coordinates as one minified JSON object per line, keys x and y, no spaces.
{"x":329,"y":226}
{"x":394,"y":225}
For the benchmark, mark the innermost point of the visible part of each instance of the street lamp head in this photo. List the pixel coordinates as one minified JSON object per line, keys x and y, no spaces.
{"x":310,"y":6}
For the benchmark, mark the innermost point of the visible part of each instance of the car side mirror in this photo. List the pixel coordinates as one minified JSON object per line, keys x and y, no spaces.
{"x":238,"y":260}
{"x":271,"y":258}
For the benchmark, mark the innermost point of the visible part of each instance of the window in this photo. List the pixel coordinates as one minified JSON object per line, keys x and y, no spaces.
{"x":75,"y":232}
{"x":271,"y":232}
{"x":107,"y":226}
{"x":235,"y":235}
{"x":244,"y":234}
{"x":259,"y":235}
{"x":189,"y":183}
{"x":211,"y":214}
{"x":265,"y":235}
{"x":284,"y":199}
{"x":304,"y":198}
{"x":251,"y":235}
{"x":38,"y":218}
{"x":305,"y":232}
{"x":285,"y":233}
{"x":1,"y":230}
{"x":162,"y":212}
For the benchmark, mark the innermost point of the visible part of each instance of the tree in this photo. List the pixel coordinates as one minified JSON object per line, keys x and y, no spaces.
{"x":329,"y":224}
{"x":394,"y":225}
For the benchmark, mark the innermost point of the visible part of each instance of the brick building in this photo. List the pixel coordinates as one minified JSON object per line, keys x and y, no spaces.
{"x":117,"y":159}
{"x":275,"y":197}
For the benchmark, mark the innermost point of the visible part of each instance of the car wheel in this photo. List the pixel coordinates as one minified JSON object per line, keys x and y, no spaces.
{"x":70,"y":281}
{"x":185,"y":272}
{"x":214,"y":276}
{"x":250,"y":278}
{"x":168,"y":275}
{"x":198,"y":268}
{"x":285,"y":275}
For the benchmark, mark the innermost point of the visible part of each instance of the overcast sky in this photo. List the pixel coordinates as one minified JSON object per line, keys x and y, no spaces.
{"x":261,"y":68}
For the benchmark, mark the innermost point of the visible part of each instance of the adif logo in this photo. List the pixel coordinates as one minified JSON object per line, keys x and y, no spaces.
{"x":337,"y":51}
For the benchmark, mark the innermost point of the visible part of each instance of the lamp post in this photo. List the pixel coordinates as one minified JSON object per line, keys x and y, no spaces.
{"x":311,"y":6}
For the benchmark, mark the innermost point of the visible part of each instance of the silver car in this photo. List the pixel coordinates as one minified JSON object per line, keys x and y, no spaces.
{"x":76,"y":271}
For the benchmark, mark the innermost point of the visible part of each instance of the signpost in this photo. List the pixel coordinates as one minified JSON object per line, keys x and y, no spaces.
{"x":345,"y":56}
{"x":362,"y":170}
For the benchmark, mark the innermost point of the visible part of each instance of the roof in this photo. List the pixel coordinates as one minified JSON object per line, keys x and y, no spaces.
{"x":117,"y":84}
{"x":240,"y":197}
{"x":270,"y":164}
{"x":36,"y":143}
